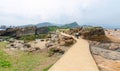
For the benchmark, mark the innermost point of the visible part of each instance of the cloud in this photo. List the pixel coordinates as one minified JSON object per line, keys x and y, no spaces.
{"x":17,"y":12}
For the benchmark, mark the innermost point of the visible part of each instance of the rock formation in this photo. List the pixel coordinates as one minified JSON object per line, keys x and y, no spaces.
{"x":58,"y":44}
{"x":90,"y":33}
{"x":106,"y":55}
{"x":17,"y":32}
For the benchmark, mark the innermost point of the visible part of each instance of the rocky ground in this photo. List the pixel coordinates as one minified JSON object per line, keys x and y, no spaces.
{"x":107,"y":54}
{"x":55,"y":44}
{"x":105,"y":46}
{"x":51,"y":48}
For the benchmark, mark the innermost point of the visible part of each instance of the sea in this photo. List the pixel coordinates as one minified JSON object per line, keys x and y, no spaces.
{"x":2,"y":29}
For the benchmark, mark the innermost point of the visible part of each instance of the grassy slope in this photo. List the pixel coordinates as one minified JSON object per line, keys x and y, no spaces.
{"x":53,"y":28}
{"x":21,"y":61}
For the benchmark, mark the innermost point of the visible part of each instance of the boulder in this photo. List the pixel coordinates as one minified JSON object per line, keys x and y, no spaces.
{"x":66,"y":41}
{"x":49,"y":44}
{"x":42,"y":30}
{"x":11,"y":40}
{"x":55,"y":50}
{"x":33,"y":49}
{"x":27,"y":45}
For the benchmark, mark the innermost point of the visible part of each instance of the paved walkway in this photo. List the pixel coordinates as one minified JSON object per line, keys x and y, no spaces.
{"x":77,"y":58}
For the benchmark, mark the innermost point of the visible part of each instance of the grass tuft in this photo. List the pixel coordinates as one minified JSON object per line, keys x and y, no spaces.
{"x":47,"y":68}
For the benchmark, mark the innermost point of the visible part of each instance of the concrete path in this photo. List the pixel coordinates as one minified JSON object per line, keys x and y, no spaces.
{"x":77,"y":58}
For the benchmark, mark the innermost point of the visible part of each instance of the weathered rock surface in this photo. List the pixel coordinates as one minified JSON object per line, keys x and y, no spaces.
{"x":55,"y":50}
{"x":58,"y":44}
{"x":90,"y":33}
{"x":106,"y":64}
{"x":110,"y":46}
{"x":107,"y":60}
{"x":57,"y":39}
{"x":108,"y":54}
{"x":21,"y":45}
{"x":17,"y":32}
{"x":18,"y":44}
{"x":66,"y":41}
{"x":93,"y":32}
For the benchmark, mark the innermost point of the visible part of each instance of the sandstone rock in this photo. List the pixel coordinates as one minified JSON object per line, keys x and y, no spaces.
{"x":114,"y":46}
{"x":42,"y":40}
{"x":66,"y":41}
{"x":49,"y":44}
{"x":108,"y":54}
{"x":42,"y":30}
{"x":90,"y":33}
{"x":27,"y":45}
{"x":109,"y":46}
{"x":55,"y":50}
{"x":94,"y":31}
{"x":18,"y":32}
{"x":106,"y":64}
{"x":11,"y":40}
{"x":33,"y":49}
{"x":54,"y":37}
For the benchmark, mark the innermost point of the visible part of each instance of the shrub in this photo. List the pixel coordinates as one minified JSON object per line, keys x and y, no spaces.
{"x":4,"y":63}
{"x":41,"y":36}
{"x":3,"y":60}
{"x":53,"y":28}
{"x":28,"y":38}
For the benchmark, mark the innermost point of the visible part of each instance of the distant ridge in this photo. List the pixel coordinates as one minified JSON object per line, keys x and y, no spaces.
{"x":44,"y":24}
{"x":70,"y":25}
{"x":48,"y":24}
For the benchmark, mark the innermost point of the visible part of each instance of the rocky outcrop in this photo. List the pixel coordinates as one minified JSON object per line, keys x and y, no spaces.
{"x":17,"y":44}
{"x":108,"y":46}
{"x":52,"y":51}
{"x":17,"y":32}
{"x":108,"y":54}
{"x":21,"y":45}
{"x":42,"y":30}
{"x":58,"y":44}
{"x":66,"y":41}
{"x":60,"y":40}
{"x":88,"y":30}
{"x":90,"y":33}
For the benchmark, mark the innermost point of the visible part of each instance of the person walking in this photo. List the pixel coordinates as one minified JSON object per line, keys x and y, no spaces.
{"x":77,"y":35}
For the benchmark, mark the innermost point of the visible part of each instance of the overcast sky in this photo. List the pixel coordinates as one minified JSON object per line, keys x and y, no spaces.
{"x":92,"y":12}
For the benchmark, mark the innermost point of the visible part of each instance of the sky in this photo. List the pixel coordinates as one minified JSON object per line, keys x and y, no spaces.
{"x":84,"y":12}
